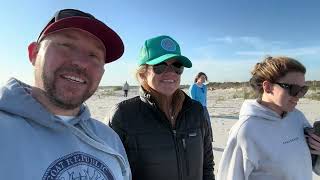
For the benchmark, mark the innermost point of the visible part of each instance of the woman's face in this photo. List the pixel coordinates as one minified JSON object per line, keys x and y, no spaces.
{"x":279,"y":95}
{"x":165,"y":83}
{"x":201,"y":79}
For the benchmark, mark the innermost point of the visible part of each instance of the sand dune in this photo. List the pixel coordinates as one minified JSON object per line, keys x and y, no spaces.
{"x":223,"y":109}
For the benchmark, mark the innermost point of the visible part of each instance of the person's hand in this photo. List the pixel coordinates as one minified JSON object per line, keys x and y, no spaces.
{"x":313,"y":141}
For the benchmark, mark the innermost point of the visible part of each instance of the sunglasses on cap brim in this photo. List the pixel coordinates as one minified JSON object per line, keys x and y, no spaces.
{"x":294,"y":90}
{"x":177,"y":67}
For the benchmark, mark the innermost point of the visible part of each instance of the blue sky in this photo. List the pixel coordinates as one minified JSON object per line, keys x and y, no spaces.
{"x":223,"y":38}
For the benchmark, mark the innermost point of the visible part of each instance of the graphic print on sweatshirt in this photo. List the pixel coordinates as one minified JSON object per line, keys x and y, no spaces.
{"x":78,"y":166}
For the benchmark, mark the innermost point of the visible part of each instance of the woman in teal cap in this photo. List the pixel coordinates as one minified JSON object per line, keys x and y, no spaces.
{"x":164,"y":131}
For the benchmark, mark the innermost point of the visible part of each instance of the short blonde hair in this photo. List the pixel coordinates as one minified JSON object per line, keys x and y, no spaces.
{"x":141,"y":73}
{"x":272,"y":69}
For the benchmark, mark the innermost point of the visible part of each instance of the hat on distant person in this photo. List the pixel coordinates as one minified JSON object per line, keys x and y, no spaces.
{"x":160,"y":49}
{"x":72,"y":18}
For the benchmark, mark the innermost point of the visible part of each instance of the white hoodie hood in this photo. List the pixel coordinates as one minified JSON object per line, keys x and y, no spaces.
{"x":251,"y":108}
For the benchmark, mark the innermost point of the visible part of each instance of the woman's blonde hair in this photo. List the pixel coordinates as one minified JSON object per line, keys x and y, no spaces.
{"x":141,"y":73}
{"x":272,"y":69}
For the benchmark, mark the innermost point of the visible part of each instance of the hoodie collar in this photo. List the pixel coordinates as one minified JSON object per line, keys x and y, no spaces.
{"x":16,"y":98}
{"x":254,"y":108}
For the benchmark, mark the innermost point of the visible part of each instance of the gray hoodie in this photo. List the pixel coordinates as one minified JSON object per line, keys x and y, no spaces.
{"x":36,"y":144}
{"x":264,"y":146}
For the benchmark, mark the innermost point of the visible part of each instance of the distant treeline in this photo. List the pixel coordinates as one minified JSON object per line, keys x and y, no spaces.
{"x":216,"y":85}
{"x":226,"y":85}
{"x":236,"y":85}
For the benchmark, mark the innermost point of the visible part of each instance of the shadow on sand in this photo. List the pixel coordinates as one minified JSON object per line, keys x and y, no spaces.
{"x":235,"y":117}
{"x":218,"y":149}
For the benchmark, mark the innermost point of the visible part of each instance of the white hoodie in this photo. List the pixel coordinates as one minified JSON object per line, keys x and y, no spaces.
{"x":264,"y":146}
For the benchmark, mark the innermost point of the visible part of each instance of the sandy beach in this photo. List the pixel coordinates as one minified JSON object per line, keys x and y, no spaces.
{"x":222,"y":105}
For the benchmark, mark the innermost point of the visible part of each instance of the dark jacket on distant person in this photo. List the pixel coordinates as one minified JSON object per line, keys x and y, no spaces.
{"x":156,"y":150}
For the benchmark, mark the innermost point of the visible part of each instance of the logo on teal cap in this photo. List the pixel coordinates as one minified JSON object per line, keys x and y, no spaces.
{"x":168,"y":45}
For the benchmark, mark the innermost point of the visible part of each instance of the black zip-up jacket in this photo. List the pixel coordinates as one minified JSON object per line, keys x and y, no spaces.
{"x":155,"y":150}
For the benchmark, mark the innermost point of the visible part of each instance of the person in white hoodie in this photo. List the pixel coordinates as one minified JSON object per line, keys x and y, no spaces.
{"x":46,"y":131}
{"x":268,"y":141}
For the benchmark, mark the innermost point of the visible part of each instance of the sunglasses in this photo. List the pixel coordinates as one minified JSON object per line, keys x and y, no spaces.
{"x":161,"y":67}
{"x":293,"y":89}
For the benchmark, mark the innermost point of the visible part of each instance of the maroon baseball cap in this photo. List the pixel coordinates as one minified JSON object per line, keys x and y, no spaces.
{"x":72,"y":18}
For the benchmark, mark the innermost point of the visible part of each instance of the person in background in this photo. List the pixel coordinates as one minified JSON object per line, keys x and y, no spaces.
{"x":198,"y":91}
{"x":268,"y":141}
{"x":163,"y":130}
{"x":125,"y":89}
{"x":46,"y":131}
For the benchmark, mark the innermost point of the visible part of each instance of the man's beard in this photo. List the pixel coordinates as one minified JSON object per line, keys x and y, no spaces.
{"x":57,"y":97}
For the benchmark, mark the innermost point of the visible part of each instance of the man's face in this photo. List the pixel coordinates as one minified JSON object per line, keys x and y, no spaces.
{"x":69,"y":65}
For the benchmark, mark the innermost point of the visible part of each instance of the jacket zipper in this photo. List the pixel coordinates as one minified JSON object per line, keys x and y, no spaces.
{"x":185,"y":154}
{"x":175,"y":140}
{"x":174,"y":132}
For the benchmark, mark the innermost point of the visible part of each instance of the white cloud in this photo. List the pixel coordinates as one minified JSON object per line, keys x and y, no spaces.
{"x":252,"y":46}
{"x":220,"y":70}
{"x":255,"y":42}
{"x":226,"y":39}
{"x":253,"y":53}
{"x":301,"y":51}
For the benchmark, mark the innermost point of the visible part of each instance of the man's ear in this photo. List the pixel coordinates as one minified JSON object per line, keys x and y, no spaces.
{"x":33,"y":49}
{"x":267,"y":87}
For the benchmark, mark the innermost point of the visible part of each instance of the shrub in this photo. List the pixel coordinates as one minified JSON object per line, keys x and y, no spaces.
{"x":221,"y":98}
{"x":244,"y":93}
{"x":313,"y":88}
{"x":116,"y":88}
{"x":313,"y":96}
{"x":107,"y":92}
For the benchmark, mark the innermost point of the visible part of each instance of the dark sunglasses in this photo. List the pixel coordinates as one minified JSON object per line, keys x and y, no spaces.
{"x":293,"y":89}
{"x":161,"y":67}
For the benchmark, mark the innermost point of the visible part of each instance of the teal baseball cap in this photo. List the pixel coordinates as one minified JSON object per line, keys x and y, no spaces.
{"x":160,"y":49}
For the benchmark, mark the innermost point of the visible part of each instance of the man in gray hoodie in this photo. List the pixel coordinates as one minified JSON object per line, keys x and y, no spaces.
{"x":46,"y":131}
